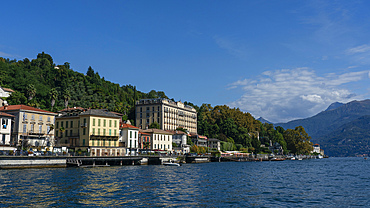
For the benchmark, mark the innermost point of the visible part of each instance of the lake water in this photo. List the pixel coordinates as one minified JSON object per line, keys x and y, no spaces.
{"x":333,"y":182}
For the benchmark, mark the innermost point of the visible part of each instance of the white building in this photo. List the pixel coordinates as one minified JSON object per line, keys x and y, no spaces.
{"x":180,"y":139}
{"x":129,"y":137}
{"x":161,"y":140}
{"x":5,"y":131}
{"x":5,"y":92}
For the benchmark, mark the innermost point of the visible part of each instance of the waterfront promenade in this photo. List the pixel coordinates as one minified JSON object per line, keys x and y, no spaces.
{"x":11,"y":162}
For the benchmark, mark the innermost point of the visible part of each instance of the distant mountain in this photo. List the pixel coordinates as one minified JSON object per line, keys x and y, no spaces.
{"x":263,"y":120}
{"x":351,"y":139}
{"x":330,"y":121}
{"x":334,"y":106}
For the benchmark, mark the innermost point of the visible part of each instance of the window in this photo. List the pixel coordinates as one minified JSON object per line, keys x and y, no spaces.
{"x":147,"y":108}
{"x":115,"y":123}
{"x":71,"y":124}
{"x":158,"y":108}
{"x":130,"y":134}
{"x":135,"y":134}
{"x":24,"y":128}
{"x":84,"y":131}
{"x":83,"y":142}
{"x":103,"y":132}
{"x":48,"y":119}
{"x":94,"y":122}
{"x":70,"y":133}
{"x":61,"y":123}
{"x":40,"y":118}
{"x":40,"y":128}
{"x":93,"y":131}
{"x":33,"y":117}
{"x":32,"y":127}
{"x":105,"y":121}
{"x":98,"y":122}
{"x":110,"y":123}
{"x":24,"y":116}
{"x":153,"y":108}
{"x":115,"y":132}
{"x":110,"y":132}
{"x":98,"y":131}
{"x":92,"y":142}
{"x":85,"y":124}
{"x":47,"y":129}
{"x":56,"y":133}
{"x":66,"y":124}
{"x":141,"y":109}
{"x":130,"y":143}
{"x":109,"y":142}
{"x":66,"y":133}
{"x":57,"y":125}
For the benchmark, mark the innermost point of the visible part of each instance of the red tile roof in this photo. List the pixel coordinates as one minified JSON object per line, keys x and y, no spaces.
{"x":23,"y":107}
{"x":124,"y":126}
{"x":5,"y":114}
{"x":7,"y":89}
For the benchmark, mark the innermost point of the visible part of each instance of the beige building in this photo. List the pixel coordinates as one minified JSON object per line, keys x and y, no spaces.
{"x":90,"y":131}
{"x":32,"y":127}
{"x":168,"y":114}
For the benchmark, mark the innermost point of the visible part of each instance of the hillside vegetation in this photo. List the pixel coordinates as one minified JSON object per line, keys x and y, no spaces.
{"x":43,"y":84}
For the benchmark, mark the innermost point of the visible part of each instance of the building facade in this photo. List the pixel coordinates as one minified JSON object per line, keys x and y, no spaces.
{"x":161,"y":140}
{"x":129,"y":137}
{"x":93,"y":131}
{"x":168,"y":114}
{"x":5,"y":131}
{"x":214,"y":144}
{"x":32,"y":127}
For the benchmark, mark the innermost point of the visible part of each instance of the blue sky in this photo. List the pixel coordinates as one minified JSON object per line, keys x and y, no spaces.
{"x":281,"y":60}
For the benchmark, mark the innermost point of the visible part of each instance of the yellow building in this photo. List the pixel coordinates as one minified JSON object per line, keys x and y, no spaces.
{"x":33,"y":127}
{"x":89,"y":131}
{"x":168,"y":114}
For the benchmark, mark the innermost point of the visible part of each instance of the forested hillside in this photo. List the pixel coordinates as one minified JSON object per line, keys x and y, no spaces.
{"x":43,"y":84}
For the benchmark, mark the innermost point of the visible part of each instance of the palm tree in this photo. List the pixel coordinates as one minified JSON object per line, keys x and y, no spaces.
{"x":53,"y":95}
{"x":31,"y":91}
{"x":67,"y":97}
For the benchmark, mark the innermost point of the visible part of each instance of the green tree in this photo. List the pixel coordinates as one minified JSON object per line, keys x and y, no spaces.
{"x":154,"y":125}
{"x":67,"y":97}
{"x":53,"y":96}
{"x":17,"y":98}
{"x":31,"y":91}
{"x":298,"y":141}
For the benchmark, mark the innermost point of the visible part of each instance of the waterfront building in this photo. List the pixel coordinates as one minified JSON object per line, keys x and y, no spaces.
{"x":199,"y":140}
{"x":32,"y":127}
{"x":129,"y":138}
{"x":214,"y":144}
{"x":180,"y":139}
{"x":88,"y":130}
{"x":316,"y":149}
{"x":161,"y":140}
{"x":145,"y":141}
{"x":5,"y":131}
{"x":168,"y":114}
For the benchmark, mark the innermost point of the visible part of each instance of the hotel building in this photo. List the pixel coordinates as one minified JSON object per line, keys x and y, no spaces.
{"x":168,"y":114}
{"x":89,"y":130}
{"x":32,"y":126}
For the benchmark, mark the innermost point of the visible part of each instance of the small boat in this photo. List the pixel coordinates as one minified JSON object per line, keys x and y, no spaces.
{"x":171,"y":164}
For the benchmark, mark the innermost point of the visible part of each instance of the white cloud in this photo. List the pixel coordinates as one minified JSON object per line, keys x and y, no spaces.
{"x":287,"y":94}
{"x":359,"y":49}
